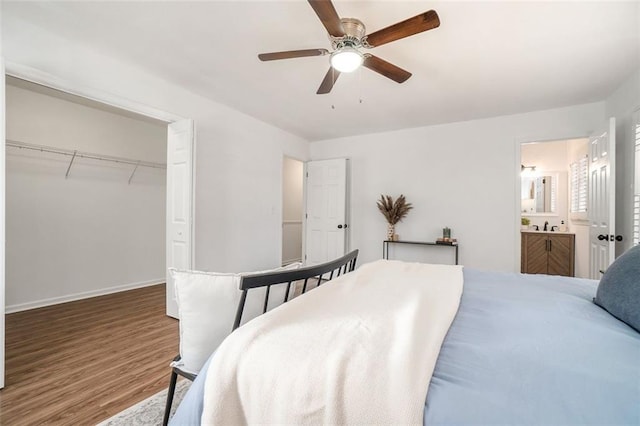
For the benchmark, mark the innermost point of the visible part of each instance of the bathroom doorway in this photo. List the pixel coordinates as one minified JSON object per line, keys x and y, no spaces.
{"x":554,"y":196}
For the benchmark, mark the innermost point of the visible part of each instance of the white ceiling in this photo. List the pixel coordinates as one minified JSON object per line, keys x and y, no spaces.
{"x":486,"y":59}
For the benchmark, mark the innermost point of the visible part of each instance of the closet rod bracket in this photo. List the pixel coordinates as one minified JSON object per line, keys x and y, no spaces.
{"x":133,"y":172}
{"x":73,"y":157}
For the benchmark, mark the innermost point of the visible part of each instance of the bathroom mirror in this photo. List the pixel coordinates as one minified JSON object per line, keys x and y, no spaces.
{"x":539,"y":195}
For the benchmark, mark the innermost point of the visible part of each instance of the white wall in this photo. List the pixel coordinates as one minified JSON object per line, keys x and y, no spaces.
{"x":292,"y":182}
{"x":462,"y":175}
{"x":238,"y":209}
{"x":622,"y":104}
{"x":91,"y":233}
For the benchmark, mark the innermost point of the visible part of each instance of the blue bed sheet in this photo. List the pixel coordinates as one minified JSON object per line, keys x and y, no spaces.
{"x":523,"y":349}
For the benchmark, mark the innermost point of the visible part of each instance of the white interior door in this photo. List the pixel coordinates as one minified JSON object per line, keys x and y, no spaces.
{"x":179,"y":203}
{"x":326,"y":210}
{"x":602,"y":201}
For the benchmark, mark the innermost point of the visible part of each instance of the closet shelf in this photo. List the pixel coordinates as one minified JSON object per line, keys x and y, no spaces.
{"x":79,"y":154}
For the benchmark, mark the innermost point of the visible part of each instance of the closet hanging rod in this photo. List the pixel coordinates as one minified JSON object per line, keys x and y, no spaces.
{"x":80,"y":154}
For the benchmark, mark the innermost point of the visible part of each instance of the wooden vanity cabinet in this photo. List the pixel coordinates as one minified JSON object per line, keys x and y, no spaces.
{"x":547,"y":253}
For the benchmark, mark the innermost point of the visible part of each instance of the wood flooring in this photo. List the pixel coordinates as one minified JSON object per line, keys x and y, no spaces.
{"x":79,"y":363}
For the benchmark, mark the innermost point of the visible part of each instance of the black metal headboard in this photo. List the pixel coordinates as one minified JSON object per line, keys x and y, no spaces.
{"x":319,"y":273}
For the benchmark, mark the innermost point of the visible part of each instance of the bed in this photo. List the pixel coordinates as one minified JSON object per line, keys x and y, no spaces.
{"x":522,"y":349}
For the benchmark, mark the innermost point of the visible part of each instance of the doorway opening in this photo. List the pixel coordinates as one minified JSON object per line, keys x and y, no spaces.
{"x":179,"y":162}
{"x":292,"y":209}
{"x":85,"y":198}
{"x":553,"y":207}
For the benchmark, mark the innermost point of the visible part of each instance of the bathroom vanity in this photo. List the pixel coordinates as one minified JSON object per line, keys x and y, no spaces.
{"x":551,"y":253}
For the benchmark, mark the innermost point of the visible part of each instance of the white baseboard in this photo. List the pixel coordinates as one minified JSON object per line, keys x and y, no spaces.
{"x":79,"y":296}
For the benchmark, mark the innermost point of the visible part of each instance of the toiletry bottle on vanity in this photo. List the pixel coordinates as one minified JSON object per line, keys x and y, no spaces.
{"x":563,"y":227}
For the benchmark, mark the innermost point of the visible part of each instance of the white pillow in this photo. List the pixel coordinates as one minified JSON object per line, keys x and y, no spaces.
{"x":207,"y":304}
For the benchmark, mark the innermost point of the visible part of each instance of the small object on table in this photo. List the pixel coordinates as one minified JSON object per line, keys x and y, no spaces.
{"x":447,"y":241}
{"x":446,"y":232}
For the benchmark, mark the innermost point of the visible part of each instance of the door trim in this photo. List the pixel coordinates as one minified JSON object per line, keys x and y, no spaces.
{"x":2,"y":225}
{"x":45,"y":79}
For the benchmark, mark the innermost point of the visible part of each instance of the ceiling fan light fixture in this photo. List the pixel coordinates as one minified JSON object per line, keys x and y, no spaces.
{"x":347,"y":59}
{"x":348,"y":35}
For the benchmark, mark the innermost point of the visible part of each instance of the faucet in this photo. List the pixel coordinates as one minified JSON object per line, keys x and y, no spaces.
{"x":536,"y":227}
{"x":546,"y":223}
{"x":554,"y":228}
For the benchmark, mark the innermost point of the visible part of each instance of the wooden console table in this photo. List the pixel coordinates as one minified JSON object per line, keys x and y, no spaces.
{"x":385,"y":246}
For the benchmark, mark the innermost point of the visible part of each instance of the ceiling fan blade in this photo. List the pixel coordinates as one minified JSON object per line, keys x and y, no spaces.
{"x":292,"y":54}
{"x":423,"y":22}
{"x":385,"y":68}
{"x":328,"y":16}
{"x":328,"y":82}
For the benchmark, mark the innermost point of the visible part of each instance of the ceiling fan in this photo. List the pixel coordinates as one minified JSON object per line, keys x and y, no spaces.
{"x":347,"y":37}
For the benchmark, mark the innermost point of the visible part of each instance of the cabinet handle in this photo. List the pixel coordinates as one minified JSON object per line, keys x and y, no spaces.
{"x":549,"y":245}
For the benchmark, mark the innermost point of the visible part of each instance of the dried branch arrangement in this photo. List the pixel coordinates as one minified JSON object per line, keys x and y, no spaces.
{"x":394,"y":212}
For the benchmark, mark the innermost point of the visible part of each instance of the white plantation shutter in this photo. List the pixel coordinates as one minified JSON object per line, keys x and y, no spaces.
{"x":579,"y":171}
{"x":554,"y":191}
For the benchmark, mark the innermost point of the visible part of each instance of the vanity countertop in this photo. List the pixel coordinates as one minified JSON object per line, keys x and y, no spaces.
{"x":533,"y":231}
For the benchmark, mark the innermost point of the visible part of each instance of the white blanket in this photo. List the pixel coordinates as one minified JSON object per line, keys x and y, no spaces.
{"x":360,"y":349}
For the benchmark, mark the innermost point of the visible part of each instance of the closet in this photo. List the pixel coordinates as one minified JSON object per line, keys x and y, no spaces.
{"x":85,"y":198}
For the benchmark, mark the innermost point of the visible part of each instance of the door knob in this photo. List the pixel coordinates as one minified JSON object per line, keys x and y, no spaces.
{"x":339,"y":226}
{"x":603,"y":237}
{"x":618,"y":237}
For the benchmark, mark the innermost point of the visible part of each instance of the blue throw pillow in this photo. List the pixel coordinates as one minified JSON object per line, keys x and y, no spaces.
{"x":619,"y":288}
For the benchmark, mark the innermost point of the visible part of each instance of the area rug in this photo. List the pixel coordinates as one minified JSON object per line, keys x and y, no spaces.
{"x":149,"y":412}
